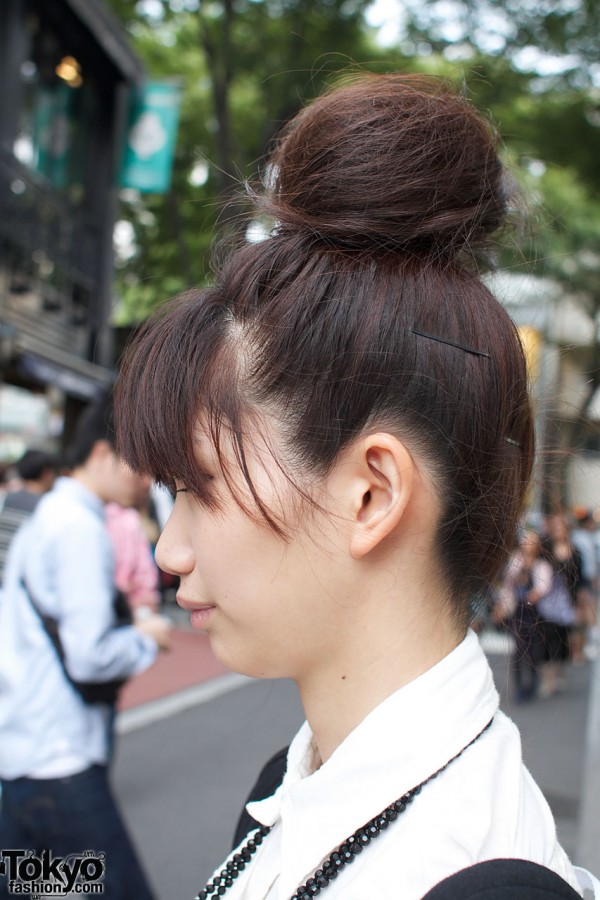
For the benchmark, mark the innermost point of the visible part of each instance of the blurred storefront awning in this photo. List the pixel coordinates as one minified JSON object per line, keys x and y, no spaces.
{"x":79,"y":380}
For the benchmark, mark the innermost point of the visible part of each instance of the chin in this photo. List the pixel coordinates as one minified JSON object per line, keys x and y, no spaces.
{"x":244,"y":664}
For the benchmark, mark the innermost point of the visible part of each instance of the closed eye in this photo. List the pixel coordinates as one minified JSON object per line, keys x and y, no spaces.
{"x":185,"y":490}
{"x":201,"y":490}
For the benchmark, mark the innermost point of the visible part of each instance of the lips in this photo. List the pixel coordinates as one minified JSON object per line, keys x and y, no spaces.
{"x":199,"y":618}
{"x":200,"y":613}
{"x":190,"y":605}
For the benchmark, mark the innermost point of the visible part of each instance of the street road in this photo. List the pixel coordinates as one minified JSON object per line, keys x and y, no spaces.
{"x":183,"y":780}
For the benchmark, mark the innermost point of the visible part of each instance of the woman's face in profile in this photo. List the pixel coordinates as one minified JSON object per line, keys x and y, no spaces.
{"x":271,"y":607}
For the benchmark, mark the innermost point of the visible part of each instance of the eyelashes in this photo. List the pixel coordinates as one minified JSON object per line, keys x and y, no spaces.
{"x":202,"y":490}
{"x":174,"y":490}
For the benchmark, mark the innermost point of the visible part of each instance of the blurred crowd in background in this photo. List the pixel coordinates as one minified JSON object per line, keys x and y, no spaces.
{"x":547,"y":601}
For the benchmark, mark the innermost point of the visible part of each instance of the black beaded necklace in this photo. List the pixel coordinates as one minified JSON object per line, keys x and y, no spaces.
{"x":341,"y":856}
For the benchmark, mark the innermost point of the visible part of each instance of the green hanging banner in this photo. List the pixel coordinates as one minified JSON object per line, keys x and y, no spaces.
{"x":151,"y":138}
{"x":52,"y":134}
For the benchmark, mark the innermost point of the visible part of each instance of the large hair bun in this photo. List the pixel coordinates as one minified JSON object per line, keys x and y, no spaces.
{"x":392,"y":163}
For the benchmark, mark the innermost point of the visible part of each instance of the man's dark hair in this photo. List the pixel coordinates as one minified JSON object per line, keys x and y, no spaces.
{"x":96,"y":423}
{"x":33,"y":464}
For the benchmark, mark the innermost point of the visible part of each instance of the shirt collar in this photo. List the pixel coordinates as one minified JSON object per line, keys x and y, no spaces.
{"x":404,"y":740}
{"x":79,"y":492}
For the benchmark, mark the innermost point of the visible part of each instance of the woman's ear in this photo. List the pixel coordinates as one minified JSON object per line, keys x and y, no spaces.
{"x":383,"y":483}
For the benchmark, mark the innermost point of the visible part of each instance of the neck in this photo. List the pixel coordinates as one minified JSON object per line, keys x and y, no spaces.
{"x":86,"y":478}
{"x":381,"y":655}
{"x":34,"y":487}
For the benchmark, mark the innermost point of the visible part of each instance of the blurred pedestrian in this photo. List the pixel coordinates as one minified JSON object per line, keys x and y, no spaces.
{"x":583,"y":537}
{"x":345,"y":420}
{"x":36,"y":471}
{"x":136,"y":573}
{"x":3,"y":479}
{"x":62,"y":657}
{"x":528,"y":579}
{"x":561,"y":609}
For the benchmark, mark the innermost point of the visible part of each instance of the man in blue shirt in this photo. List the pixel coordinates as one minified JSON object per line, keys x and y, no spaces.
{"x":54,"y":746}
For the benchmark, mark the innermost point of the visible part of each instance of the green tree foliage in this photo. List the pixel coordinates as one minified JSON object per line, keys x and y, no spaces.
{"x":556,"y":39}
{"x":246,"y":66}
{"x":536,"y":65}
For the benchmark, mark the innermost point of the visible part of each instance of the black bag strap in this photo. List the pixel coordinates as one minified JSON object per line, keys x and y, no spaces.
{"x":503,"y":879}
{"x":93,"y":692}
{"x":50,"y":626}
{"x":496,"y":879}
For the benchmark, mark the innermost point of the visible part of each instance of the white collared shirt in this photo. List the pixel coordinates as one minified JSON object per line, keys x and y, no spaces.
{"x":485,"y":805}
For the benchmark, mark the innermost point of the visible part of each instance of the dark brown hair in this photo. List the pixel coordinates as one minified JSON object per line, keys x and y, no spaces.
{"x":362,"y":310}
{"x":95,"y":423}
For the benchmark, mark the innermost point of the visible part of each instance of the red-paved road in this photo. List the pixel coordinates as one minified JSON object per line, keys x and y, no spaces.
{"x":188,"y":662}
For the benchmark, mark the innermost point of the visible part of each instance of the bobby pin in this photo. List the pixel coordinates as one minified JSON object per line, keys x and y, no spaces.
{"x":512,"y":441}
{"x":440,"y":340}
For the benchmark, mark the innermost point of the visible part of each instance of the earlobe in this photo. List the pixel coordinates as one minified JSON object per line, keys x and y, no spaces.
{"x":385,"y":486}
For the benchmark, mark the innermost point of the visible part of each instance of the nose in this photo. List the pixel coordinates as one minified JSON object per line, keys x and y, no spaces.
{"x":173,"y":551}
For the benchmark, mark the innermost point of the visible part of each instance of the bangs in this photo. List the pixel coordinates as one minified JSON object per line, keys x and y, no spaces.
{"x":178,"y":368}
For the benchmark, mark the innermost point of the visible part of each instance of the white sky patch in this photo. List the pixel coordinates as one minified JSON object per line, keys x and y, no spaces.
{"x":459,"y":52}
{"x":490,"y":42}
{"x":453,"y":31}
{"x":124,"y":240}
{"x":536,"y":168}
{"x":199,"y":174}
{"x":532,"y":59}
{"x":151,"y":8}
{"x":492,"y":30}
{"x":389,"y":18}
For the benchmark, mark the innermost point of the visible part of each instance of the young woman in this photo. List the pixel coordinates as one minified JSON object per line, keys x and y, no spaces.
{"x":557,"y":606}
{"x":567,"y":608}
{"x":345,"y":420}
{"x":529,"y":580}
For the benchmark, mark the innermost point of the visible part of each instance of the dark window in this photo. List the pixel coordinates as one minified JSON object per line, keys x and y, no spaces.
{"x":57,"y":110}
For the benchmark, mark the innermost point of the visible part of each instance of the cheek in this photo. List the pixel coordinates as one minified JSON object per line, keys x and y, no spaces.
{"x":243,"y":565}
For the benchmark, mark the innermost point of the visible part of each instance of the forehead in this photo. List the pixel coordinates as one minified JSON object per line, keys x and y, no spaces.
{"x":255,"y":445}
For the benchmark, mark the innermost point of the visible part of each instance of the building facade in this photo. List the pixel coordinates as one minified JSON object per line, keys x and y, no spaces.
{"x":560,"y":336}
{"x":66,"y":72}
